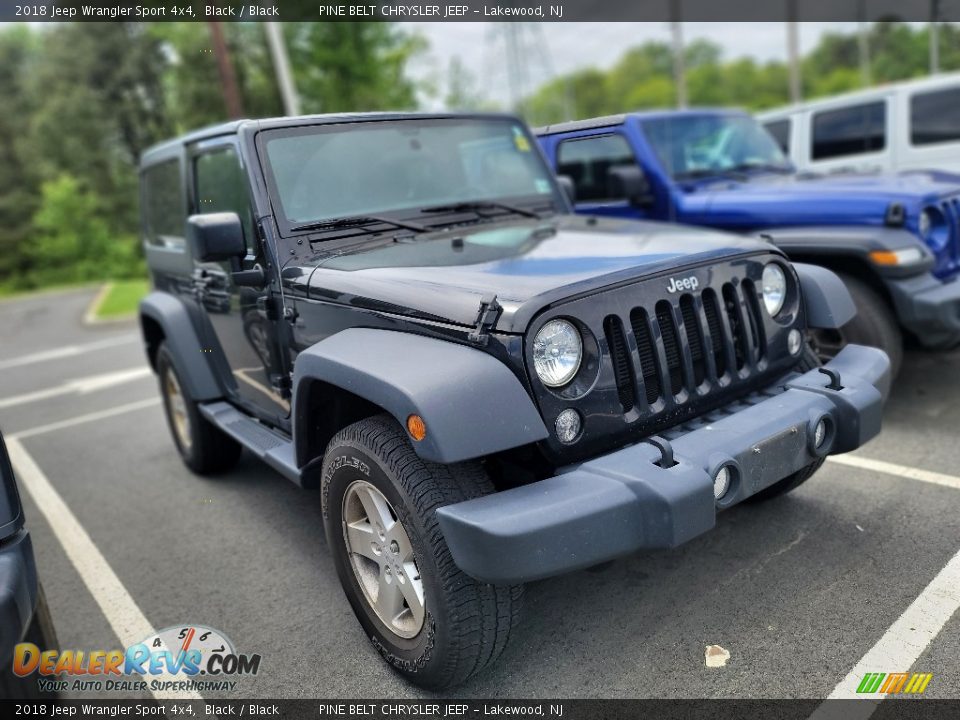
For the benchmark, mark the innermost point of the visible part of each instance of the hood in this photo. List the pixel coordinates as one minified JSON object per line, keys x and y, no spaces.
{"x":527,"y":265}
{"x":777,"y":200}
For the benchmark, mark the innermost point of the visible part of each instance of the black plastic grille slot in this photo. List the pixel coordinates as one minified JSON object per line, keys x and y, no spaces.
{"x":640,"y":324}
{"x":755,"y":318}
{"x":694,"y":338}
{"x":732,"y":305}
{"x":671,"y":345}
{"x":711,"y":310}
{"x":620,"y":356}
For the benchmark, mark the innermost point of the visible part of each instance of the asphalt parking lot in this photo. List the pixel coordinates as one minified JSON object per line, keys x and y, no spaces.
{"x":857,"y":571}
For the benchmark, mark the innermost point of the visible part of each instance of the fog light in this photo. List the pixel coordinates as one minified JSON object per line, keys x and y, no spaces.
{"x":568,"y":426}
{"x":820,"y":433}
{"x":721,"y":482}
{"x":794,"y":341}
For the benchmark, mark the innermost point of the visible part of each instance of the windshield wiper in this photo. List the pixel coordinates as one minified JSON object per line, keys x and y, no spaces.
{"x":728,"y":173}
{"x":360,"y":221}
{"x":762,"y":167}
{"x":480,"y":205}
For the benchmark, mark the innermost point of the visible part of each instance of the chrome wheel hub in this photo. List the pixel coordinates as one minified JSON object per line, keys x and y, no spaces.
{"x":177,"y":407}
{"x":382,"y":559}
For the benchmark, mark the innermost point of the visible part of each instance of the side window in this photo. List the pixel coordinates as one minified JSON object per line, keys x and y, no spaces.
{"x":780,"y":130}
{"x":221,"y":186}
{"x":935,"y":117}
{"x":587,"y":160}
{"x":850,"y":131}
{"x":162,"y":205}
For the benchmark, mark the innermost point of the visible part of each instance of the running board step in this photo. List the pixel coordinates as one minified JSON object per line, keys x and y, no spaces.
{"x":270,"y":446}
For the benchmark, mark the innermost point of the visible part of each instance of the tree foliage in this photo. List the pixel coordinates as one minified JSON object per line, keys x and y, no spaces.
{"x":83,"y":100}
{"x":643,"y":77}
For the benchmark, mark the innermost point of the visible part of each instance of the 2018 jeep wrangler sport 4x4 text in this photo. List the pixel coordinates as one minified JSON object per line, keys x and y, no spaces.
{"x":402,"y":311}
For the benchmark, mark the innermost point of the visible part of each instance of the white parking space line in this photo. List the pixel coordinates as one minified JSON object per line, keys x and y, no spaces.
{"x":89,"y":417}
{"x":68,"y":351}
{"x":117,"y":605}
{"x":901,"y":645}
{"x":80,"y":386}
{"x":901,"y":470}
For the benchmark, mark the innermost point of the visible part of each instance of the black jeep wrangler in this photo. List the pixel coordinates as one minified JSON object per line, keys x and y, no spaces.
{"x":402,"y":311}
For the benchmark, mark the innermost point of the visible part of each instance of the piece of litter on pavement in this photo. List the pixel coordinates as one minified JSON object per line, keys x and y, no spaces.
{"x":716,"y":656}
{"x":858,"y":528}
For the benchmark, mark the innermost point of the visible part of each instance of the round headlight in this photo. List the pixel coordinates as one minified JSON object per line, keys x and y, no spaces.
{"x":925,"y":224}
{"x":557,"y":351}
{"x":774,"y":286}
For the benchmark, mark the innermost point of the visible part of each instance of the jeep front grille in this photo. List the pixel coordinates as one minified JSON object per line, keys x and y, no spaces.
{"x":673,"y":363}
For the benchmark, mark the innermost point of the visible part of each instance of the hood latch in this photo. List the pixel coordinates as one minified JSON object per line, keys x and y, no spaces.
{"x":487,"y":318}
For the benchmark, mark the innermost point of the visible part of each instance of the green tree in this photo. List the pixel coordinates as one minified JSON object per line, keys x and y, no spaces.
{"x":342,"y":67}
{"x":72,"y":241}
{"x":19,"y":181}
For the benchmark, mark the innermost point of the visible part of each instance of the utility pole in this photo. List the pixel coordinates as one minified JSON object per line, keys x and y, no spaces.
{"x":679,"y":64}
{"x":863,"y":51}
{"x":793,"y":51}
{"x":281,"y":66}
{"x":228,"y":78}
{"x":934,"y":37}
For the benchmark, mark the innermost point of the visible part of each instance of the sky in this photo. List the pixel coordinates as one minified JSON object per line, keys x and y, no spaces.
{"x":576,"y":45}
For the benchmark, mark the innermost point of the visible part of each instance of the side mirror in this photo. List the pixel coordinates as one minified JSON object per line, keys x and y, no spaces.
{"x":569,"y":189}
{"x":216,"y":236}
{"x":628,"y":181}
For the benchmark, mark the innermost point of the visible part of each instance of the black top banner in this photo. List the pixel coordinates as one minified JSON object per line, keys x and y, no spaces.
{"x":480,"y":10}
{"x":452,"y":709}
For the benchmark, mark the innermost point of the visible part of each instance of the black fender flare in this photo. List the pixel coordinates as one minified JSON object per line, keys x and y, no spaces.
{"x":471,"y":403}
{"x":813,"y":243}
{"x":827,"y":303}
{"x":181,"y":336}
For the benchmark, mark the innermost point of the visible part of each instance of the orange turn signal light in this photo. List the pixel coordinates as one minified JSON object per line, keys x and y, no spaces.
{"x":884,"y":257}
{"x":416,"y":427}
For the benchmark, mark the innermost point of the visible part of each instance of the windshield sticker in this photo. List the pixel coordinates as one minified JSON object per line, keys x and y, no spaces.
{"x":520,"y":141}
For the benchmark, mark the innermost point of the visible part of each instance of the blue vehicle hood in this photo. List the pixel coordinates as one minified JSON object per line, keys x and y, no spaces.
{"x":529,"y":264}
{"x":783,"y":200}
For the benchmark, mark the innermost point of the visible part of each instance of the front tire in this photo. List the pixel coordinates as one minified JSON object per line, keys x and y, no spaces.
{"x":430,"y":621}
{"x":204,"y":448}
{"x":874,"y":325}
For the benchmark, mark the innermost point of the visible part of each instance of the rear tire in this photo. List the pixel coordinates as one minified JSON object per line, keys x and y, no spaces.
{"x":379,"y":506}
{"x":874,"y":325}
{"x":808,"y":361}
{"x":204,"y":448}
{"x":41,"y":633}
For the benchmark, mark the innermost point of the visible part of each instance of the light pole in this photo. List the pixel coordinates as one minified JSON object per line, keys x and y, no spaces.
{"x":281,"y":66}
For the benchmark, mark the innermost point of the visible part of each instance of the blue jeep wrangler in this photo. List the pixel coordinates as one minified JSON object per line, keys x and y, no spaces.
{"x":893,"y":240}
{"x":404,"y":312}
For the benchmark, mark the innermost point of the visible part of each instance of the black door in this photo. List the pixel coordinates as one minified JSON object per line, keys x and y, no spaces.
{"x":240,"y":317}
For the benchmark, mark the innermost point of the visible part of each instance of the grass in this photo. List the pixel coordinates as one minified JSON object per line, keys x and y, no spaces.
{"x":121,"y":298}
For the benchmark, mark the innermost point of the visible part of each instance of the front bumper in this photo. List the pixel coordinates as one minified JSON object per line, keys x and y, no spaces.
{"x":623,"y":502}
{"x":928,"y":308}
{"x":18,"y":592}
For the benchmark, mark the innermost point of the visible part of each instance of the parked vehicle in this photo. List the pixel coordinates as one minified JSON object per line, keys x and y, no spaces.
{"x":24,"y":615}
{"x":486,"y":388}
{"x":895,"y":241}
{"x":912,"y":125}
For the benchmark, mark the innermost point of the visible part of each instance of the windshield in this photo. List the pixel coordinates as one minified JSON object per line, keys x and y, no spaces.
{"x":323,"y":172}
{"x":701,"y":145}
